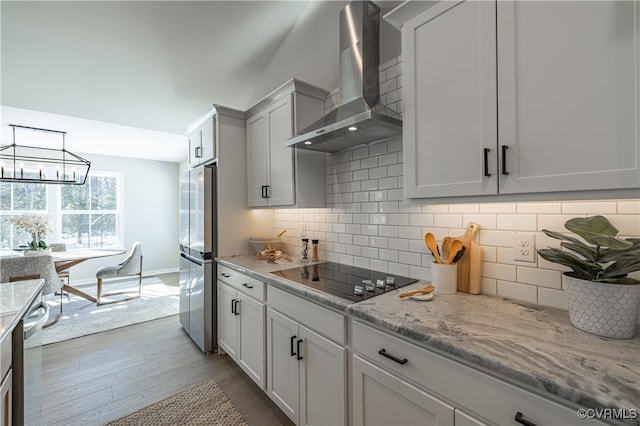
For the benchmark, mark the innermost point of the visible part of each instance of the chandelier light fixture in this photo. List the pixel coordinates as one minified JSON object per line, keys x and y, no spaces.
{"x":29,"y":162}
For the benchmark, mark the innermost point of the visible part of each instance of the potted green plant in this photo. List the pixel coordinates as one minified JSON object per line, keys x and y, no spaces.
{"x":603,"y":300}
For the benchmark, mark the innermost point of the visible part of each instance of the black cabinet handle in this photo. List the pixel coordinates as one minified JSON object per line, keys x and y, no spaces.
{"x":504,"y":160}
{"x":384,"y":353}
{"x":225,"y":275}
{"x":247,"y":285}
{"x":298,"y":356}
{"x":236,"y":312}
{"x":264,"y":191}
{"x":520,"y":419}
{"x":233,"y":306}
{"x":293,"y":352}
{"x":486,"y":162}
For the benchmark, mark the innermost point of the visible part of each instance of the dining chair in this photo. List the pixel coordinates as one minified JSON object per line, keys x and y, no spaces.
{"x":65,"y":274}
{"x":130,"y":266}
{"x":20,"y":268}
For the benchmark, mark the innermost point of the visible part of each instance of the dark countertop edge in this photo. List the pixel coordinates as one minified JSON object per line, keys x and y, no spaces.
{"x":458,"y":353}
{"x":17,"y":315}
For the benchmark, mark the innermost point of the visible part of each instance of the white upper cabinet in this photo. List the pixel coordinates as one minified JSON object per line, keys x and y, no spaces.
{"x":279,"y":176}
{"x":520,"y":97}
{"x":202,"y":142}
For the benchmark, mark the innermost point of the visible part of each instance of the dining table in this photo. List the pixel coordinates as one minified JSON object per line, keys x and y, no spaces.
{"x":66,"y":259}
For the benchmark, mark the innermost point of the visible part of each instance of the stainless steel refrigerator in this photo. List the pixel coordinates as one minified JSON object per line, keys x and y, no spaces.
{"x":198,"y":248}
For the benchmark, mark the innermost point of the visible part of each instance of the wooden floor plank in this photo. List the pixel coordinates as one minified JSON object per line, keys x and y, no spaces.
{"x":99,"y":378}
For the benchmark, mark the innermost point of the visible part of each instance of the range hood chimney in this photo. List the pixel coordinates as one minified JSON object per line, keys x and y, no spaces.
{"x":359,"y":118}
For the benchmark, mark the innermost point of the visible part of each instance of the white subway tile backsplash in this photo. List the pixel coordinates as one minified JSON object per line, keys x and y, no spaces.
{"x":520,"y":222}
{"x":629,"y":207}
{"x":538,"y":208}
{"x":589,"y":208}
{"x":552,"y":297}
{"x":498,"y":208}
{"x":499,"y":271}
{"x":464,"y":208}
{"x":369,"y":224}
{"x":449,"y":220}
{"x":539,"y":277}
{"x":513,"y":290}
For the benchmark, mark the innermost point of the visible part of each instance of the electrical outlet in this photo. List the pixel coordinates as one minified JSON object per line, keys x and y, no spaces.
{"x":524,"y":247}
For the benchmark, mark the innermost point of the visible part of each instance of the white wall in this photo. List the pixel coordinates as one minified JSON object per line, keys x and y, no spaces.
{"x":311,"y":50}
{"x":150,"y":206}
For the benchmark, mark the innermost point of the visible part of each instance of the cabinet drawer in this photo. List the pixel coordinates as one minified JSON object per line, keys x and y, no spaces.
{"x":324,"y":321}
{"x":246,"y":284}
{"x":466,"y":387}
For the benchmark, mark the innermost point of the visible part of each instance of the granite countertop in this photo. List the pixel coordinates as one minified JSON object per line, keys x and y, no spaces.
{"x":524,"y":343}
{"x":15,"y":299}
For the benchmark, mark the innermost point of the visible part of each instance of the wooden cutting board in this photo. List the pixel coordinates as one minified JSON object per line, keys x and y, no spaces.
{"x":470,"y":266}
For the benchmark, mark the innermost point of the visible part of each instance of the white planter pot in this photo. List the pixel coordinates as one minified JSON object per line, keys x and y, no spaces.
{"x":604,"y":309}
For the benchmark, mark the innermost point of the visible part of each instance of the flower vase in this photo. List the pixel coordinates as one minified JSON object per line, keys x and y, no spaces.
{"x":35,"y":249}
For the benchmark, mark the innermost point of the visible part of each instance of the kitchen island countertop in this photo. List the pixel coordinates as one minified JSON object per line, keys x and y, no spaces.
{"x":15,"y":299}
{"x":527,"y":344}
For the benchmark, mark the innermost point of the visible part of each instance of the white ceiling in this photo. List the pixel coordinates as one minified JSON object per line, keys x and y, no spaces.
{"x":145,"y":68}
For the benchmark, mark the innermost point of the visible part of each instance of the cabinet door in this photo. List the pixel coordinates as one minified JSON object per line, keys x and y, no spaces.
{"x":568,"y":81}
{"x":257,"y":160}
{"x":195,"y":148}
{"x":323,"y":383}
{"x":380,"y":398}
{"x":281,"y":190}
{"x":227,"y":320}
{"x":464,"y":419}
{"x":208,"y":140}
{"x":251,"y":348}
{"x":6,"y":400}
{"x":282,"y":363}
{"x":449,"y":78}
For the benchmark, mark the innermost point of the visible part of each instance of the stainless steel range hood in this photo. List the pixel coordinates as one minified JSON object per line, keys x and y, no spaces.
{"x":359,"y":118}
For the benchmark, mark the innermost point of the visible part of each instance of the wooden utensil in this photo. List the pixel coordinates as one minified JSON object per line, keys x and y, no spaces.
{"x":456,"y":247}
{"x":281,"y":233}
{"x":459,"y":255}
{"x":470,"y":265}
{"x":430,"y":241}
{"x":426,"y":290}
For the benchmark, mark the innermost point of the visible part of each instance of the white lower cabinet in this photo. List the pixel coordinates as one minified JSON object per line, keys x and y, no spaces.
{"x":306,"y":360}
{"x":306,"y":372}
{"x":241,"y":330}
{"x":411,"y":378}
{"x":380,"y":398}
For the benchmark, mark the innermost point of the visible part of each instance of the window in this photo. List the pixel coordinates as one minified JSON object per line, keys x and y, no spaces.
{"x":84,"y":216}
{"x":15,"y":199}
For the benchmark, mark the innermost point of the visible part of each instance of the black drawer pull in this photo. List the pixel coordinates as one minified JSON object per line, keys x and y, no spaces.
{"x":225,"y":275}
{"x":504,"y":160}
{"x":293,"y":352}
{"x":298,"y":356}
{"x":520,"y":419}
{"x":384,"y":353}
{"x":236,"y":301}
{"x":247,"y":285}
{"x":233,"y":306}
{"x":486,"y":162}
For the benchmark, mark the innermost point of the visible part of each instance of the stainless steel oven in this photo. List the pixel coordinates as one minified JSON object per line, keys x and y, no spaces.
{"x":27,"y":379}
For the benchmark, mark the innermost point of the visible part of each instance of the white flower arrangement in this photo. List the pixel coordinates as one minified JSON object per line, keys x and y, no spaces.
{"x":36,"y":225}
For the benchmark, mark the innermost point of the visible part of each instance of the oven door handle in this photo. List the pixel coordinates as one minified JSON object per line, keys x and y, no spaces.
{"x":37,"y":325}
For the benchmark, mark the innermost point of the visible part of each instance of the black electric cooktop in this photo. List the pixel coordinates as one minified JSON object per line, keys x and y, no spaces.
{"x":349,"y":282}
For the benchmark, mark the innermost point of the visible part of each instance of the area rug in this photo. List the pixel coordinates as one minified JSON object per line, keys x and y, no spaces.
{"x":204,"y":404}
{"x":80,"y":317}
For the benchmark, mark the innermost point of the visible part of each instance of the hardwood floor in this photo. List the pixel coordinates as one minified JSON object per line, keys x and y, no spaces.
{"x":99,"y":378}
